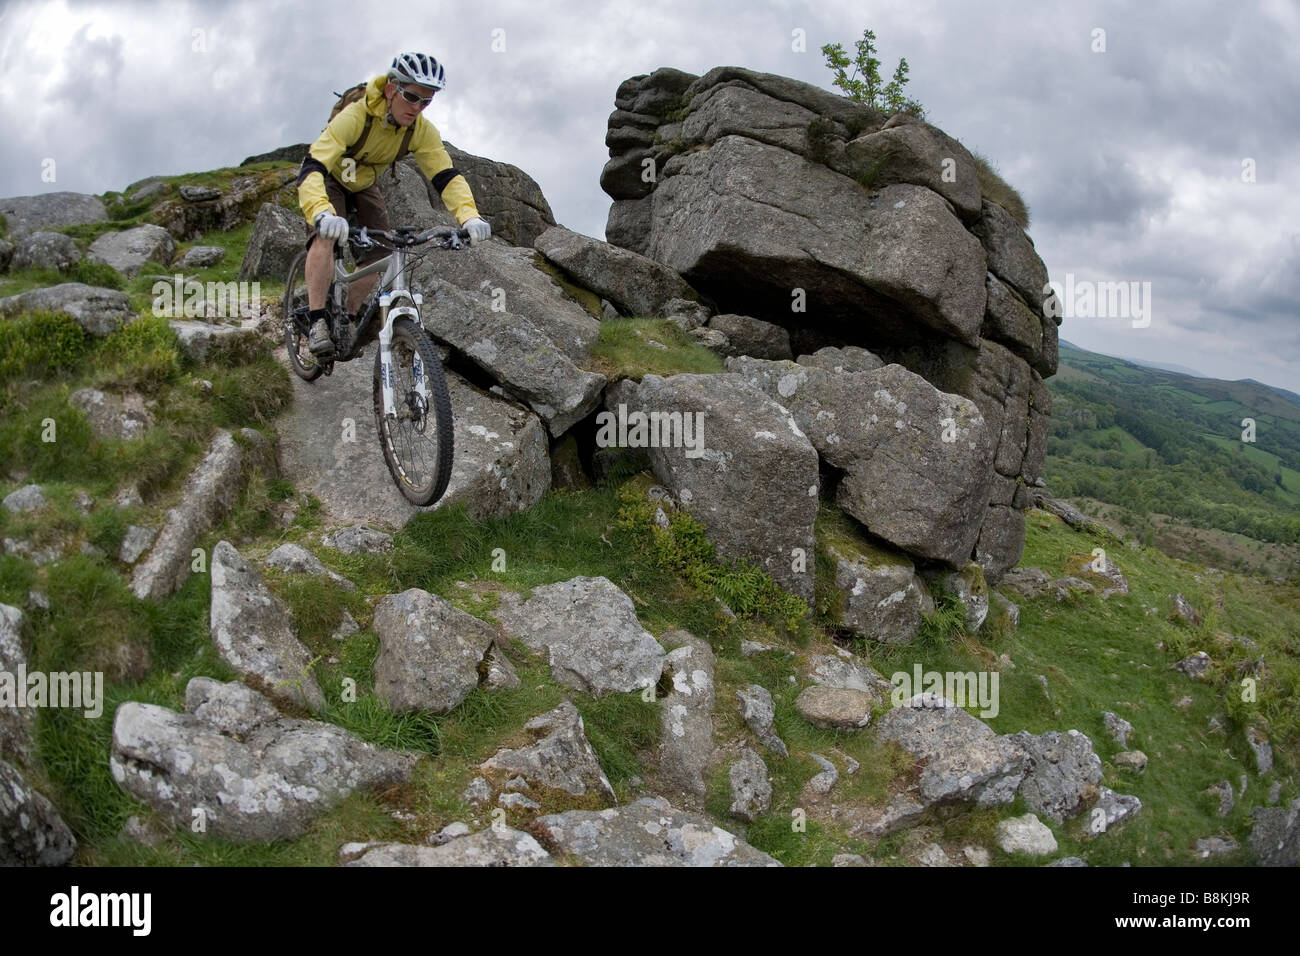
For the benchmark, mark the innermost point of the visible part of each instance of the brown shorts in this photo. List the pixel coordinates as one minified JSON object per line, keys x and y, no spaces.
{"x":364,"y":208}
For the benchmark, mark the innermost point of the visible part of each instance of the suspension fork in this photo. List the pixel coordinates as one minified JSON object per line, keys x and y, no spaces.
{"x":389,"y":313}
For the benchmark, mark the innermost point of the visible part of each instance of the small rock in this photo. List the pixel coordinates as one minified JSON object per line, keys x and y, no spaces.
{"x":358,"y":539}
{"x":26,"y":498}
{"x":751,"y":792}
{"x":199,"y":193}
{"x":448,"y":833}
{"x":1132,"y":759}
{"x":1117,"y":807}
{"x":517,"y":801}
{"x":750,"y":648}
{"x":1042,"y":680}
{"x":136,"y":542}
{"x":347,"y":627}
{"x":1069,"y":861}
{"x":824,"y":781}
{"x":1223,"y":791}
{"x":1275,"y":792}
{"x":1183,"y":610}
{"x":129,"y":497}
{"x":1214,"y":846}
{"x":933,"y":855}
{"x":977,"y":855}
{"x":478,"y":792}
{"x":835,"y":708}
{"x":1194,"y":666}
{"x":38,"y":600}
{"x":847,"y":859}
{"x":1262,"y":748}
{"x":137,"y":831}
{"x":759,"y":712}
{"x":201,"y":257}
{"x":1026,"y":834}
{"x":1117,"y":727}
{"x":517,"y":785}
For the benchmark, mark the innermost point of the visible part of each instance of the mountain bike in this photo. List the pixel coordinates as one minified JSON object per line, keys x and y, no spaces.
{"x":412,"y":407}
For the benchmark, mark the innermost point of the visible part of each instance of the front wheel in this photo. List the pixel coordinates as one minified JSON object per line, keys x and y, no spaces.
{"x":297,"y":326}
{"x":417,"y":441}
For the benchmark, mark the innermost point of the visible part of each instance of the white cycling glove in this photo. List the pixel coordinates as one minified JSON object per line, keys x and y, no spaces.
{"x":478,"y":230}
{"x":334,"y":228}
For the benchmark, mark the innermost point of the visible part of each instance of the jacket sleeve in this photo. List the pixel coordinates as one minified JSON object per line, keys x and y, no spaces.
{"x":323,"y":155}
{"x":435,"y":163}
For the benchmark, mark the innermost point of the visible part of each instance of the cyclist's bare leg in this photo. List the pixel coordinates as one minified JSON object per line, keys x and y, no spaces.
{"x":357,"y":292}
{"x":319,"y":265}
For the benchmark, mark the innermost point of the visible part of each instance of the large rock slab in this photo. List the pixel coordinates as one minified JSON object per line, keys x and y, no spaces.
{"x":99,"y":311}
{"x":209,"y":342}
{"x":965,"y":759}
{"x":330,"y":447}
{"x":916,"y":460}
{"x":750,"y":336}
{"x":877,"y":593}
{"x":560,"y":758}
{"x":591,"y":634}
{"x":128,"y":250}
{"x":45,"y":250}
{"x":686,"y":713}
{"x":1011,"y":255}
{"x":874,"y":262}
{"x":210,"y":492}
{"x":495,"y":846}
{"x":31,"y":831}
{"x":25,"y":214}
{"x":506,"y":196}
{"x":636,"y":284}
{"x":650,"y":832}
{"x":494,"y":306}
{"x":748,"y":450}
{"x":253,"y":632}
{"x":429,"y":651}
{"x":278,"y":236}
{"x":254,"y":775}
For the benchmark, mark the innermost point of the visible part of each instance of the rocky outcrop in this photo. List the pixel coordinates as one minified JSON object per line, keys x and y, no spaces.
{"x":45,"y":250}
{"x":279,"y":234}
{"x":231,"y":761}
{"x":128,"y":250}
{"x":98,"y":311}
{"x":187,"y":219}
{"x":25,"y":214}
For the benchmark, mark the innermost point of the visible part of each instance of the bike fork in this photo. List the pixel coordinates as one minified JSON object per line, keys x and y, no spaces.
{"x":387,"y":317}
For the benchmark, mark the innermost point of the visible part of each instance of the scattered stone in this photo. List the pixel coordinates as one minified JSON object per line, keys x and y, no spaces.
{"x":1183,"y":611}
{"x":1223,"y":791}
{"x":31,"y":831}
{"x":478,"y":792}
{"x":969,"y":587}
{"x":753,"y":337}
{"x":128,"y":497}
{"x":295,"y":559}
{"x":750,"y":648}
{"x":850,"y":674}
{"x":26,"y":498}
{"x":560,"y":758}
{"x":822,"y":783}
{"x":1194,"y":666}
{"x":1042,"y":681}
{"x":495,"y":846}
{"x":199,"y":193}
{"x":1132,"y":759}
{"x":253,"y":633}
{"x":201,"y":257}
{"x":517,"y":785}
{"x":496,"y":672}
{"x":136,"y":830}
{"x":1117,"y":727}
{"x":17,"y":724}
{"x":847,"y":859}
{"x":835,"y":708}
{"x":751,"y":791}
{"x":932,"y":855}
{"x":448,"y":833}
{"x":977,"y":856}
{"x":255,"y":776}
{"x":1117,"y":807}
{"x":1215,"y":846}
{"x":127,"y":251}
{"x":136,"y":542}
{"x":347,"y":627}
{"x":649,"y":832}
{"x":1275,"y":792}
{"x":1262,"y":748}
{"x":517,"y":801}
{"x":758,"y":711}
{"x":358,"y":539}
{"x":1069,"y":861}
{"x":591,"y":634}
{"x":429,"y":651}
{"x":45,"y":250}
{"x":1026,"y":834}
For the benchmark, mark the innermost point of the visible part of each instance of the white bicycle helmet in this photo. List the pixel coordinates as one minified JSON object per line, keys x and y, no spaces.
{"x":419,"y":69}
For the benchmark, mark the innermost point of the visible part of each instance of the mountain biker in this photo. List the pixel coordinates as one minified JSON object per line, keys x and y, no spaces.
{"x":332,"y":184}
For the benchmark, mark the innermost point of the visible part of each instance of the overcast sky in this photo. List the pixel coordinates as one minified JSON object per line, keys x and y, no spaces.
{"x":1131,"y":159}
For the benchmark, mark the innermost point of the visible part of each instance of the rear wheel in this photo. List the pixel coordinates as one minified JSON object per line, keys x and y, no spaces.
{"x":297,"y":326}
{"x":417,"y":442}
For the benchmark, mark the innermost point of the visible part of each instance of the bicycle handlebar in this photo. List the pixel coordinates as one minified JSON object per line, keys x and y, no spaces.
{"x":448,"y":237}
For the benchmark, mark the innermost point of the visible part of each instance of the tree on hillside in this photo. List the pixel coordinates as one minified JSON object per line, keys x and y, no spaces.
{"x":864,"y":84}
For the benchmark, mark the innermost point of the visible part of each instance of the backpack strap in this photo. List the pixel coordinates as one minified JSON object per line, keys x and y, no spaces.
{"x":355,"y":148}
{"x":404,"y":148}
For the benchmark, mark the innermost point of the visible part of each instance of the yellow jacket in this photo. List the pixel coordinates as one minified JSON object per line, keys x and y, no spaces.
{"x":377,"y":153}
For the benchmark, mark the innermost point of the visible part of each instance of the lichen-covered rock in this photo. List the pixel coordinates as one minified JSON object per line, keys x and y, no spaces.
{"x":1026,"y":834}
{"x":495,"y":846}
{"x":1062,"y":773}
{"x":98,"y":311}
{"x":128,"y":250}
{"x":234,"y":762}
{"x":650,"y":832}
{"x":751,"y":791}
{"x":758,"y":712}
{"x":590,"y":632}
{"x":31,"y":831}
{"x":686,"y":713}
{"x":835,"y":708}
{"x":561,"y":758}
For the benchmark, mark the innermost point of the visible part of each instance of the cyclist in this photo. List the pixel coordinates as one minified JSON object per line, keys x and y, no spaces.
{"x":332,"y":183}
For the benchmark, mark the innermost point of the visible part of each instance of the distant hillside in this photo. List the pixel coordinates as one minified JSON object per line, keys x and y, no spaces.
{"x":1152,"y":442}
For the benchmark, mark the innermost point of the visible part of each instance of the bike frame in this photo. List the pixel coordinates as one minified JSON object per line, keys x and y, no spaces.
{"x":398,"y":301}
